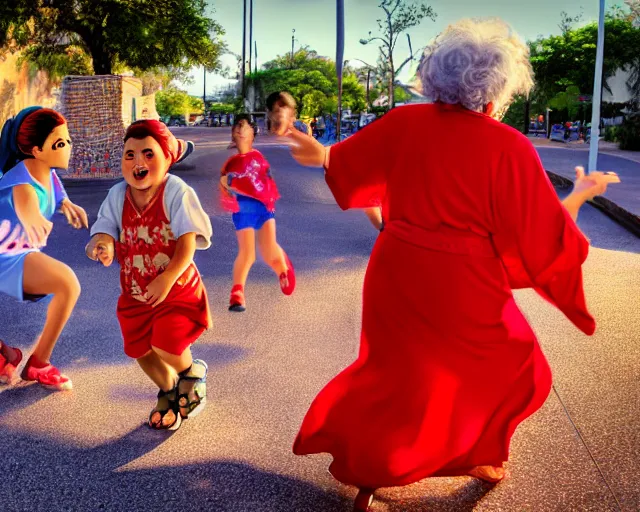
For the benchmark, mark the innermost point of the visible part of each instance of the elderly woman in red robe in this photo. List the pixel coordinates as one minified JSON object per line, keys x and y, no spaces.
{"x":448,"y":365}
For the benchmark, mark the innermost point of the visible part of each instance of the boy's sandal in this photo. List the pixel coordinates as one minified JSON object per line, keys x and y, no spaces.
{"x":192,"y":390}
{"x":8,"y":368}
{"x":48,"y":377}
{"x":167,"y":402}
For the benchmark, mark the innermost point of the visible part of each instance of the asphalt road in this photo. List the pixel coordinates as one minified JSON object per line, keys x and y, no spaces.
{"x":90,"y":450}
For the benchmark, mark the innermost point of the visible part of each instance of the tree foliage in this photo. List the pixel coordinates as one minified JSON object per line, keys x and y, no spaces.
{"x":569,"y":59}
{"x":311,"y":80}
{"x":399,"y":16}
{"x":135,"y":33}
{"x":175,"y":102}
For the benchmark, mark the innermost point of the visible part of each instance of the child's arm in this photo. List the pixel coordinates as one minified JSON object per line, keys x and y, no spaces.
{"x":106,"y":229}
{"x":160,"y":287}
{"x":35,"y":225}
{"x":76,"y":216}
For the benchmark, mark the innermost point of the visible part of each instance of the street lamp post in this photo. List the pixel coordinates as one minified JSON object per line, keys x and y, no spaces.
{"x":597,"y":94}
{"x":293,"y":35}
{"x":204,"y":92}
{"x":339,"y":60}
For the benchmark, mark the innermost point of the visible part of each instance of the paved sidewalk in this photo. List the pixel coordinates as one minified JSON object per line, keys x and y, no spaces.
{"x":621,"y":202}
{"x":604,"y":147}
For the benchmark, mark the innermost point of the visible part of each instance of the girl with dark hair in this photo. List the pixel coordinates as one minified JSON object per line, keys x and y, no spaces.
{"x":153,"y":223}
{"x":32,"y":145}
{"x":250,"y":193}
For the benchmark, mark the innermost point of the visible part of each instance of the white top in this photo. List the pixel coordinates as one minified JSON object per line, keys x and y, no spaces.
{"x":181,"y":205}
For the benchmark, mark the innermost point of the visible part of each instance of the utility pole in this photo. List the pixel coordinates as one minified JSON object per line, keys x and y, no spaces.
{"x":244,"y":48}
{"x":368,"y":94}
{"x":255,"y":61}
{"x":204,"y":93}
{"x":597,"y":94}
{"x":250,"y":31}
{"x":339,"y":60}
{"x":293,"y":32}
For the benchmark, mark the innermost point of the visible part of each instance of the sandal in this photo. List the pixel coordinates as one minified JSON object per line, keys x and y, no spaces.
{"x":192,"y":390}
{"x":167,"y":402}
{"x":236,"y":301}
{"x":8,"y":367}
{"x":288,"y":278}
{"x":48,"y":377}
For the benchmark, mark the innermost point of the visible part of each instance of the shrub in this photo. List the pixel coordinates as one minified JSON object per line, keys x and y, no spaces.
{"x":629,"y":133}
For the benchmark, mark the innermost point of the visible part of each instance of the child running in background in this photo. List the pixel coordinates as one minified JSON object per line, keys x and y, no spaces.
{"x":153,"y":223}
{"x":250,"y":193}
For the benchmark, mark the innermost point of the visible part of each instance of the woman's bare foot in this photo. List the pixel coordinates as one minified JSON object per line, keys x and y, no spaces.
{"x":488,"y":473}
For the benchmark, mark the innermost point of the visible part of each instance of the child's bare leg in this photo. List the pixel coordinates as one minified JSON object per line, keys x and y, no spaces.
{"x":270,"y":251}
{"x":178,"y":363}
{"x":44,"y":275}
{"x":246,"y":255}
{"x":162,"y":375}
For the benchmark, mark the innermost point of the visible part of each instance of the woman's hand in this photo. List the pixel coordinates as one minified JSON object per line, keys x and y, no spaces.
{"x":75,"y":214}
{"x":101,"y":248}
{"x":593,"y":184}
{"x":586,"y":188}
{"x":307,"y":150}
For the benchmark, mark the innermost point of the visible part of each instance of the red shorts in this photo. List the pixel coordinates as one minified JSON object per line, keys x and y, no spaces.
{"x":172,"y":326}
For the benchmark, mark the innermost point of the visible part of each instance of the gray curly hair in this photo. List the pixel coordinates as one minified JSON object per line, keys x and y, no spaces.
{"x":475,"y":62}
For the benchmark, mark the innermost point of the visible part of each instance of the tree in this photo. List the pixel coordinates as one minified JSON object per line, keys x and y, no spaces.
{"x":312,"y":82}
{"x":135,"y":33}
{"x":399,"y":16}
{"x":175,"y":102}
{"x":566,"y":21}
{"x":569,"y":59}
{"x":567,"y":100}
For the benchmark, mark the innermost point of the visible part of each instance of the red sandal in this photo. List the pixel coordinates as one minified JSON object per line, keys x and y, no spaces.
{"x":288,"y":278}
{"x":8,"y":367}
{"x":236,"y":301}
{"x":48,"y":377}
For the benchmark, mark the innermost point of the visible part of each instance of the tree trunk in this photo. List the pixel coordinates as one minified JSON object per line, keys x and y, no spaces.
{"x":527,"y":108}
{"x":101,"y":60}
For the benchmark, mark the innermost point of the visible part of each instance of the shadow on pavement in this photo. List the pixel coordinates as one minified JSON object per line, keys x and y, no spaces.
{"x":92,"y":479}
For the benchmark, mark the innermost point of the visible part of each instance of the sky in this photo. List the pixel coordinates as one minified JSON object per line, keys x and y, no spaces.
{"x":314,"y":22}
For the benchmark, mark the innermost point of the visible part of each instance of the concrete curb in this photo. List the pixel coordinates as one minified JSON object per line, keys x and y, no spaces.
{"x":626,"y":219}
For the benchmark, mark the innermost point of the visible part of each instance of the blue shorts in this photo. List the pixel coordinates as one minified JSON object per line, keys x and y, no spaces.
{"x":253,"y":214}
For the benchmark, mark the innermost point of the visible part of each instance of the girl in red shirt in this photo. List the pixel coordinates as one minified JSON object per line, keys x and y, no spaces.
{"x":250,"y":193}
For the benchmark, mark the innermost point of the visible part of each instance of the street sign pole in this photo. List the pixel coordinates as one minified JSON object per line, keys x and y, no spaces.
{"x":597,"y":94}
